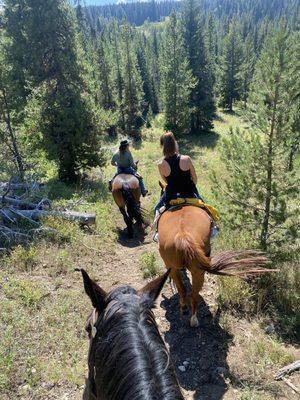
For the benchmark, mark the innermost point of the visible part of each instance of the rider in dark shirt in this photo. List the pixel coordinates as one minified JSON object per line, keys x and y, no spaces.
{"x":177,"y":171}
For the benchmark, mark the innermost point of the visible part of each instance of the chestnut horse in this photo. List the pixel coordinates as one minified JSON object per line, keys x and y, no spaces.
{"x":128,"y":359}
{"x":184,"y":241}
{"x":127,"y":193}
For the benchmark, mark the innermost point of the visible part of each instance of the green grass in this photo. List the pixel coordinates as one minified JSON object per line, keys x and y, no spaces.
{"x":43,"y":306}
{"x":150,"y":267}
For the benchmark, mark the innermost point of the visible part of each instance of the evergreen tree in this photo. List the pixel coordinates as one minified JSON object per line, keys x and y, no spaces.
{"x":230,"y":68}
{"x":211,"y":45}
{"x":16,"y":50}
{"x":116,"y":72}
{"x":293,"y":135}
{"x":10,"y":153}
{"x":66,"y":116}
{"x":143,"y":64}
{"x":201,"y":99}
{"x":153,"y":57}
{"x":261,"y":188}
{"x":247,"y":69}
{"x":105,"y":93}
{"x":132,"y":93}
{"x":177,"y":79}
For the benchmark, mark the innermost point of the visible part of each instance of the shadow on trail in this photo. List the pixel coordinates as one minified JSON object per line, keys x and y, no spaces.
{"x":138,"y":239}
{"x":204,"y":349}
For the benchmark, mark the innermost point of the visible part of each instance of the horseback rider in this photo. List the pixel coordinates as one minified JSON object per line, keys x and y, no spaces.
{"x":123,"y":160}
{"x":177,"y":171}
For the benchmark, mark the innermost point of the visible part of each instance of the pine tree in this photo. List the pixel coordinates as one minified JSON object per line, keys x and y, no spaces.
{"x":105,"y":93}
{"x":132,"y":92}
{"x":230,"y":68}
{"x":261,"y":188}
{"x":9,"y":118}
{"x":247,"y":69}
{"x":16,"y":50}
{"x":143,"y":65}
{"x":153,"y":56}
{"x":177,"y":79}
{"x":116,"y":71}
{"x":293,"y":135}
{"x":201,"y":100}
{"x":65,"y":115}
{"x":211,"y":46}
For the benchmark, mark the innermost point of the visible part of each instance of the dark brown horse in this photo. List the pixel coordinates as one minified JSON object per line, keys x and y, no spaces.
{"x":184,"y":241}
{"x":128,"y":359}
{"x":126,"y":193}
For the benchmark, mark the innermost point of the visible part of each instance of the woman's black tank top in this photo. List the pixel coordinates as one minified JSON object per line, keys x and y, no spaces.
{"x":180,"y":182}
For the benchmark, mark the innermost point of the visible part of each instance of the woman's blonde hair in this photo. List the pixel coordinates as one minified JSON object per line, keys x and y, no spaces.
{"x":168,"y":144}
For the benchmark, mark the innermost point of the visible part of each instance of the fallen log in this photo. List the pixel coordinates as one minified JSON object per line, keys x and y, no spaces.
{"x":12,"y":215}
{"x":17,"y":202}
{"x":21,"y":186}
{"x":287,"y":370}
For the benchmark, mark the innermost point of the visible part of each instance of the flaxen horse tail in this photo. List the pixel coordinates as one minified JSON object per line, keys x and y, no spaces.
{"x":231,"y":263}
{"x":133,"y":208}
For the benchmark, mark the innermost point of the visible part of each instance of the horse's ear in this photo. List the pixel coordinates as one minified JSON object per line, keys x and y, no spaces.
{"x":153,"y":288}
{"x":94,"y":291}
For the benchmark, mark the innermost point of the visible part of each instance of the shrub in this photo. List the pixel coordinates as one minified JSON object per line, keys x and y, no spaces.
{"x":149,"y":265}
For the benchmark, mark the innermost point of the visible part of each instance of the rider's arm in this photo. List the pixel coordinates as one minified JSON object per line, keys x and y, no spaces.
{"x":162,"y":172}
{"x":193,"y":172}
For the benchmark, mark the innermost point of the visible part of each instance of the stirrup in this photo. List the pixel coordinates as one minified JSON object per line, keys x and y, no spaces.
{"x":156,"y":238}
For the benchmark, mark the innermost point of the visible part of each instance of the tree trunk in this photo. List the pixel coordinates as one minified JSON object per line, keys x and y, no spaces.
{"x":16,"y":153}
{"x":292,"y":154}
{"x":266,"y":219}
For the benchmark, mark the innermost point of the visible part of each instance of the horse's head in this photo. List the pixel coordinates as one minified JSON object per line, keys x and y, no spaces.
{"x":112,"y":310}
{"x":125,"y":344}
{"x":162,"y":187}
{"x":128,"y":296}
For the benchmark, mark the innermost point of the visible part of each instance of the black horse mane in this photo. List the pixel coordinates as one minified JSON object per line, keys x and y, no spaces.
{"x":131,"y":360}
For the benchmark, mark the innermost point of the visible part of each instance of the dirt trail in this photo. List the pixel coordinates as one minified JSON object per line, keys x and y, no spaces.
{"x":200,"y":355}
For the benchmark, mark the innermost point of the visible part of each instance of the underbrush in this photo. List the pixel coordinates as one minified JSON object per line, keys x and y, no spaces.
{"x":150,"y":267}
{"x":257,"y":357}
{"x":43,"y":306}
{"x":274,"y":295}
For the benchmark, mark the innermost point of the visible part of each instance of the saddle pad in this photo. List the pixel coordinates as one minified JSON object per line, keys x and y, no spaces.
{"x":197,"y":203}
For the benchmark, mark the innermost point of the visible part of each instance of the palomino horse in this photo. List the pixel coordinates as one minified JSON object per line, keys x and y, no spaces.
{"x":128,"y":359}
{"x":184,"y":241}
{"x":126,"y":193}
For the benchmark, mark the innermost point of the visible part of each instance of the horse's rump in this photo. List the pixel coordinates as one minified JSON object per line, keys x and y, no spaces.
{"x":183,"y":234}
{"x":184,"y":238}
{"x":125,"y":181}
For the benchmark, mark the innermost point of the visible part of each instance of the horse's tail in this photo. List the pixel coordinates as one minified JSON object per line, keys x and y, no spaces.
{"x":133,"y":208}
{"x":231,"y":263}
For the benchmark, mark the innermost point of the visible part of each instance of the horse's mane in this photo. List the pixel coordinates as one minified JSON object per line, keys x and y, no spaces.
{"x":131,"y":360}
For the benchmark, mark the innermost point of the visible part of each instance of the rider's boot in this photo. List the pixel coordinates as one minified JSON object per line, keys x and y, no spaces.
{"x":144,"y":191}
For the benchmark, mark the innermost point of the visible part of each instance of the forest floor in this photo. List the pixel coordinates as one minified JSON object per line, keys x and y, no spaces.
{"x":43,"y":307}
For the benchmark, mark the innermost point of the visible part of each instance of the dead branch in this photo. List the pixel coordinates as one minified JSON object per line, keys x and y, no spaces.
{"x":291,"y":385}
{"x":287,"y":370}
{"x":21,"y":217}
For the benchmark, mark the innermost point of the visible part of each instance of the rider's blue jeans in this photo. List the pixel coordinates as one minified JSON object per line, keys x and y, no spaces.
{"x":131,"y":171}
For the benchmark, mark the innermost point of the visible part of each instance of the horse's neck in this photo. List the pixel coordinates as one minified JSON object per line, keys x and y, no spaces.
{"x":135,"y":364}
